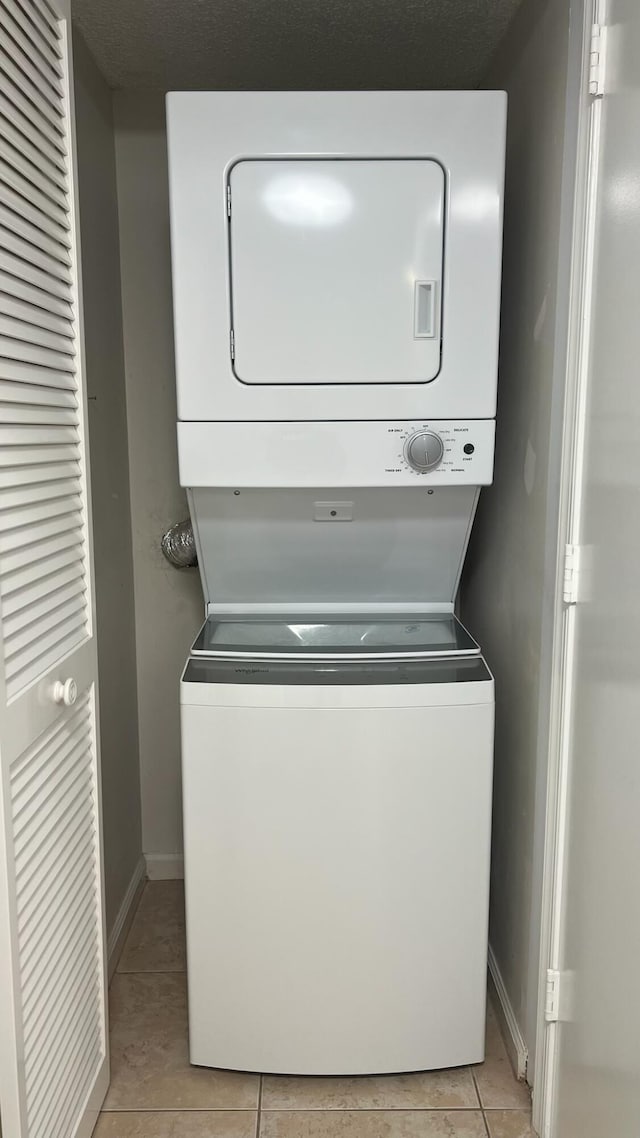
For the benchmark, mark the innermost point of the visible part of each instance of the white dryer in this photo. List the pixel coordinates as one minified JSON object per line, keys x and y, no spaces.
{"x":336,"y":255}
{"x":336,"y":264}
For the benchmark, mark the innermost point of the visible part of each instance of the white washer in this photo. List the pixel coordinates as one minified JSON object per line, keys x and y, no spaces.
{"x":337,"y":746}
{"x":337,"y":830}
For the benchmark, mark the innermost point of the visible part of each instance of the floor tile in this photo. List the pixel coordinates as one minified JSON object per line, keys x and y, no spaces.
{"x":509,"y":1124}
{"x":149,"y":1054}
{"x":177,"y":1124}
{"x":156,"y":940}
{"x":435,"y":1090}
{"x":497,"y":1084}
{"x":372,"y":1124}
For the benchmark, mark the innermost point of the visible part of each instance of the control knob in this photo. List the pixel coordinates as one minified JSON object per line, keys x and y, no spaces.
{"x":423,"y":451}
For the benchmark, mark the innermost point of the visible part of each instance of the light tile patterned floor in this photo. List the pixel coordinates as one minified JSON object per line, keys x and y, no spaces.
{"x":154,"y":1093}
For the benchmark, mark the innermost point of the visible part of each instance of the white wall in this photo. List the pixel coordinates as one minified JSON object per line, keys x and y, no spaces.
{"x":109,"y":479}
{"x":168,"y":602}
{"x":509,"y":580}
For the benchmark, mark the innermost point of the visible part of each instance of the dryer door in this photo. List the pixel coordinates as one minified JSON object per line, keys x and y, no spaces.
{"x":336,"y":270}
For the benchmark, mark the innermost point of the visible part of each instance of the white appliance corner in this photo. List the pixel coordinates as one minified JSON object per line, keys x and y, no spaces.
{"x":124,"y":917}
{"x":165,"y":866}
{"x":510,"y":1028}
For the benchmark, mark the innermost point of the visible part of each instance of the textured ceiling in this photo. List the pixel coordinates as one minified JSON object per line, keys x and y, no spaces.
{"x":292,"y":44}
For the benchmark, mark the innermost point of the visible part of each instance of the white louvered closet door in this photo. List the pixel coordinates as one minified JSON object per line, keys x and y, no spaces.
{"x":53,"y":1051}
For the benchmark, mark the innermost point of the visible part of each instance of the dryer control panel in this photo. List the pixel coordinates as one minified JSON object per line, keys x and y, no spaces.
{"x":446,"y":451}
{"x":433,"y":452}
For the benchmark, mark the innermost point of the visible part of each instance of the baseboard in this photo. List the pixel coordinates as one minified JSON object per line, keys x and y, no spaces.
{"x":164,"y":867}
{"x":513,"y":1038}
{"x":125,"y":915}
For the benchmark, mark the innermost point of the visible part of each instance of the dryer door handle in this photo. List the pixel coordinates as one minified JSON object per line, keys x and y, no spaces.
{"x":424,"y":310}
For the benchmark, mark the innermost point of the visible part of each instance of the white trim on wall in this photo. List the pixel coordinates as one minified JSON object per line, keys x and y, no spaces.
{"x":125,"y":915}
{"x":587,"y":130}
{"x":512,"y":1035}
{"x":164,"y":867}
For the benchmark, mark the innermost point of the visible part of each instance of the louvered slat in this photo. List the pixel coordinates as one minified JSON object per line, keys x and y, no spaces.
{"x":36,"y":436}
{"x":42,"y":39}
{"x":46,"y":856}
{"x":48,"y":13}
{"x":36,"y":317}
{"x":65,"y":777}
{"x":26,"y":99}
{"x":29,"y":194}
{"x":17,"y":161}
{"x":28,"y":513}
{"x":31,"y":213}
{"x":14,"y":223}
{"x":46,"y":605}
{"x":46,"y":863}
{"x":58,"y":519}
{"x":31,"y":156}
{"x":22,"y":603}
{"x":43,"y":1028}
{"x":27,"y":665}
{"x":33,"y":255}
{"x":11,"y":113}
{"x":47,"y":631}
{"x":49,"y":32}
{"x":27,"y":575}
{"x":36,"y":475}
{"x":61,"y":928}
{"x":21,"y":289}
{"x":16,"y":26}
{"x":46,"y":93}
{"x":32,"y":374}
{"x":43,"y":912}
{"x":66,"y":1121}
{"x":18,"y":413}
{"x":29,"y":334}
{"x":45,"y":491}
{"x":34,"y":260}
{"x":43,"y":1124}
{"x":42,"y":1035}
{"x":35,"y":354}
{"x":60,"y":969}
{"x":38,"y":552}
{"x":43,"y":592}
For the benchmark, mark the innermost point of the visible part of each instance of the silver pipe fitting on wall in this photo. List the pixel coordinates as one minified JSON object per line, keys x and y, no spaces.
{"x":178,"y":545}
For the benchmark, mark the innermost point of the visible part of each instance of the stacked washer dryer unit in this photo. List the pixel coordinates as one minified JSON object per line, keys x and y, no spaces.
{"x":336,"y":267}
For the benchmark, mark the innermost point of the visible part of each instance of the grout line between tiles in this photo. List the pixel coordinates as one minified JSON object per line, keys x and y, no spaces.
{"x":477,"y":1088}
{"x":370,"y":1109}
{"x":259,"y":1111}
{"x":178,"y":1110}
{"x":309,"y":1110}
{"x":486,"y":1124}
{"x":151,"y":972}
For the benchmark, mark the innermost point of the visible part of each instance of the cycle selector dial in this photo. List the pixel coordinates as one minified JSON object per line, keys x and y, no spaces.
{"x":424,"y":451}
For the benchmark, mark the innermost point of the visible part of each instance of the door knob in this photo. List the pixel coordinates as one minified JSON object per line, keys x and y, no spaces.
{"x":65,"y":692}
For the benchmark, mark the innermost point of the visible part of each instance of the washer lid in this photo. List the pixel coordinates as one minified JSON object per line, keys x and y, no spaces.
{"x":334,"y":637}
{"x":362,"y":674}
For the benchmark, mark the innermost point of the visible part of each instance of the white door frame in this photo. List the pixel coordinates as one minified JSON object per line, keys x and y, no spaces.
{"x":586,"y":128}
